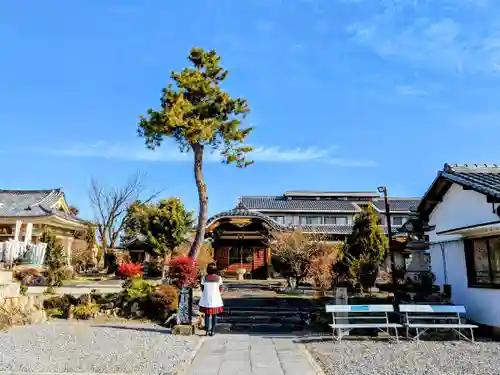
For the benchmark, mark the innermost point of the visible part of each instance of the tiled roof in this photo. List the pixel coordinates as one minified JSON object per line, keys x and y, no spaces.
{"x":243,"y":212}
{"x":398,"y":204}
{"x":334,"y":228}
{"x":279,"y":203}
{"x":31,"y":203}
{"x":323,"y":228}
{"x":483,"y":178}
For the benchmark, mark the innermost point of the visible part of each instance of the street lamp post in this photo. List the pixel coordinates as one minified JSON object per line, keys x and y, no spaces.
{"x":383,"y":189}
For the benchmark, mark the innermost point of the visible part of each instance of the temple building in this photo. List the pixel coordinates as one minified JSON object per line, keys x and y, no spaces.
{"x":239,"y":235}
{"x":25,"y":213}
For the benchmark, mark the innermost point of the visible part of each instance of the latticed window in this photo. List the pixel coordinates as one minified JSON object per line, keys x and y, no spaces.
{"x":483,"y":261}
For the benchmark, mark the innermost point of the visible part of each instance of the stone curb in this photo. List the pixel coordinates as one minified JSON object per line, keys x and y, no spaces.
{"x":185,"y":365}
{"x":63,"y":373}
{"x":314,"y":364}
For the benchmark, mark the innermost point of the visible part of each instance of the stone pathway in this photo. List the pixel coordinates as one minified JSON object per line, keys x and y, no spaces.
{"x":250,"y":355}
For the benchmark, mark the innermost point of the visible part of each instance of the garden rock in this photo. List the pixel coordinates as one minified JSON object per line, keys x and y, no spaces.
{"x":85,"y":299}
{"x":135,"y":310}
{"x":107,"y":306}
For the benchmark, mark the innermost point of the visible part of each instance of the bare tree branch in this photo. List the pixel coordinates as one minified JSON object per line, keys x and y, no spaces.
{"x":110,"y":207}
{"x":297,"y":250}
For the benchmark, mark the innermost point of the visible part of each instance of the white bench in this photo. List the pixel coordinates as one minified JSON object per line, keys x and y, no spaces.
{"x":376,"y":315}
{"x":425,"y":317}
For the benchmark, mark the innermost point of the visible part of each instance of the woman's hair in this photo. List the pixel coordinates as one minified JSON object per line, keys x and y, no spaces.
{"x":211,"y":269}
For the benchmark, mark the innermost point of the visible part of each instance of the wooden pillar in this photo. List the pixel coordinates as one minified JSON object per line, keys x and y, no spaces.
{"x":267,"y":255}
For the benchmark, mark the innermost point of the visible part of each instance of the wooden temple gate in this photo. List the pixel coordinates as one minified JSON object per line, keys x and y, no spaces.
{"x":240,"y":240}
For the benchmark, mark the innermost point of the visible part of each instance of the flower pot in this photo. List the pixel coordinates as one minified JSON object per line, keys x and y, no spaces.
{"x":240,"y":273}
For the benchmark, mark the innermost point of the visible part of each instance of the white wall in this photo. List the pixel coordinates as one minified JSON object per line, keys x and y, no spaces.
{"x":461,"y":208}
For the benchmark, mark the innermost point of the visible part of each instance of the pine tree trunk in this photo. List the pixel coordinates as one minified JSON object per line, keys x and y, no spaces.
{"x":166,"y":260}
{"x":203,"y":200}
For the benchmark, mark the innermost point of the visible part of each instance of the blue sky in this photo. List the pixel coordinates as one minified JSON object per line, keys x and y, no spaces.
{"x":345,"y":94}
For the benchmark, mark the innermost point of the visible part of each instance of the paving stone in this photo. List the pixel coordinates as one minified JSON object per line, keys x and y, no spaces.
{"x":250,"y":355}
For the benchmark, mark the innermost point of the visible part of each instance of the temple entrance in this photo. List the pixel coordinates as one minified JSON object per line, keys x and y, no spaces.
{"x":240,"y":240}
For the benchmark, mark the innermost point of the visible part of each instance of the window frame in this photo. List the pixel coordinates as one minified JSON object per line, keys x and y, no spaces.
{"x":470,"y":264}
{"x":399,"y":218}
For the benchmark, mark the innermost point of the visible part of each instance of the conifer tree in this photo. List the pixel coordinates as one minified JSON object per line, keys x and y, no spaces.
{"x":201,"y":117}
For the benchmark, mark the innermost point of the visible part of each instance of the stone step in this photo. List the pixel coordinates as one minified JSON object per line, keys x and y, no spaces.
{"x":6,"y":277}
{"x":262,"y":319}
{"x":10,"y":290}
{"x":269,"y":328}
{"x":257,"y":312}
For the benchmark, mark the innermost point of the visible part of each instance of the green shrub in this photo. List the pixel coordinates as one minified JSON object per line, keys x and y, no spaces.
{"x":84,"y":312}
{"x":55,"y":312}
{"x":62,"y":303}
{"x":138,"y":289}
{"x":23,"y":289}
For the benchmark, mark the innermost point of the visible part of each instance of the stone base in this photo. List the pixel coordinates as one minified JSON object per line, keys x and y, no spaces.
{"x":6,"y":277}
{"x":183,"y":330}
{"x":21,"y":310}
{"x":10,"y":290}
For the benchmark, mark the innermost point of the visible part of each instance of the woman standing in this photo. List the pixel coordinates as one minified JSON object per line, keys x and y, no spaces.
{"x":211,"y":299}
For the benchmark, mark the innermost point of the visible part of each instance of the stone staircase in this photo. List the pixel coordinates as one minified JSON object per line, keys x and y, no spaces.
{"x":265,"y":315}
{"x":16,"y":309}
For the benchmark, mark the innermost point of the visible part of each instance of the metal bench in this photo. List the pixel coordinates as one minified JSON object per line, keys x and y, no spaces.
{"x":425,"y":317}
{"x":374,"y":316}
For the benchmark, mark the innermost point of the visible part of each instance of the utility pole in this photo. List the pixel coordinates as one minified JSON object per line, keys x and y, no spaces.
{"x":383,"y":189}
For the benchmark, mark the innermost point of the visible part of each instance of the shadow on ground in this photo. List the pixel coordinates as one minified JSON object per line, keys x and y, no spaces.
{"x":133,"y":328}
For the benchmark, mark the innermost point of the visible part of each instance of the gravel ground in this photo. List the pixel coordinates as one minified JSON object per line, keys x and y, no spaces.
{"x":61,"y":346}
{"x":426,"y":357}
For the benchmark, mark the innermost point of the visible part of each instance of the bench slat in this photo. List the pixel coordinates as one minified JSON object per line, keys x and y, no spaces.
{"x":435,"y":317}
{"x":432,"y":309}
{"x":366,"y":325}
{"x":357,"y":317}
{"x":444,"y":325}
{"x":359,"y":308}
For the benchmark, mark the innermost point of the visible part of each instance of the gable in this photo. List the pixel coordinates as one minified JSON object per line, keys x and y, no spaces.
{"x":460,"y":207}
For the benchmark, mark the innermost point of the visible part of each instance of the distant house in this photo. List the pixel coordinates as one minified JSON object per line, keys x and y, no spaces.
{"x":27,"y":212}
{"x":239,"y":234}
{"x":463,"y":203}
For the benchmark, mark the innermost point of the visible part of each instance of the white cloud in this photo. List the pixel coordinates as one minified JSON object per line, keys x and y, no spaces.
{"x":458,"y":36}
{"x":407,"y":90}
{"x":172,"y":154}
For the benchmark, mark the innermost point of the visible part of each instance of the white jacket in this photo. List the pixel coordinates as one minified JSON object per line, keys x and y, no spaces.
{"x":211,"y":296}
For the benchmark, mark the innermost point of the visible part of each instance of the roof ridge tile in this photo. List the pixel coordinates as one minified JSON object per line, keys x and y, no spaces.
{"x":473,"y":168}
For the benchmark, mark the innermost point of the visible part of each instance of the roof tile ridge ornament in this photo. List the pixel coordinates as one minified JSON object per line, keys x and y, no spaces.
{"x":240,"y":205}
{"x":477,"y":168}
{"x":54,"y":192}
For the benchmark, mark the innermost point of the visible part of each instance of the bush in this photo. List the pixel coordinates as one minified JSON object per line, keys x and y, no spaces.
{"x":23,"y":273}
{"x":162,"y":302}
{"x":138,"y":289}
{"x":66,"y":273}
{"x":183,"y":271}
{"x":322,"y":270}
{"x":35,"y":280}
{"x":154,"y":268}
{"x":62,"y":303}
{"x":56,"y":312}
{"x":84,"y":312}
{"x":129,"y":270}
{"x":23,"y":289}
